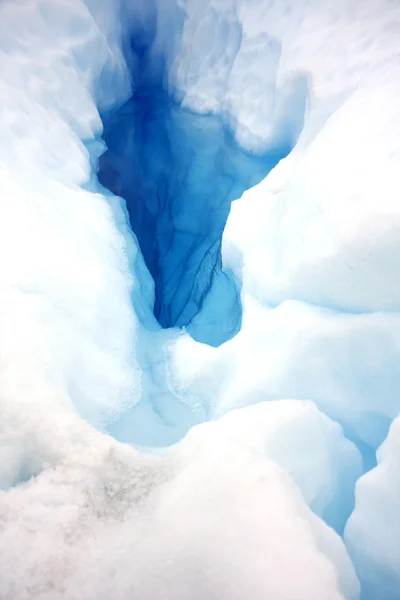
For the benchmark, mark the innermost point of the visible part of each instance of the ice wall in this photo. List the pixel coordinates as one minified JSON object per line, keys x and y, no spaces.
{"x":375,"y":548}
{"x":65,"y":340}
{"x":179,"y":172}
{"x":315,"y":245}
{"x":254,"y":500}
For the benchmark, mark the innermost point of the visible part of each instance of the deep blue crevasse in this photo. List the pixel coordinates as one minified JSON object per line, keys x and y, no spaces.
{"x":179,"y":172}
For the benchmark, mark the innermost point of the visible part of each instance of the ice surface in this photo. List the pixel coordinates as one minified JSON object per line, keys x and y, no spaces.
{"x":345,"y":252}
{"x":345,"y":363}
{"x":213,"y":520}
{"x":285,"y":417}
{"x":306,"y":444}
{"x":372,"y":533}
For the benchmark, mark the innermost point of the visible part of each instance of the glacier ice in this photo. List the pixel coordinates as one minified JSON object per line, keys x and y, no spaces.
{"x":106,"y":521}
{"x":245,"y":444}
{"x":179,"y":172}
{"x":345,"y":363}
{"x":375,"y":550}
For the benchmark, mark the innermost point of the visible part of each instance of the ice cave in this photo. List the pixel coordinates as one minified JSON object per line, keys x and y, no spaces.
{"x":200,"y":300}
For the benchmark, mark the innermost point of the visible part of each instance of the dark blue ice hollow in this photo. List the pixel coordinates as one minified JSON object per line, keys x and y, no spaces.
{"x":179,"y":172}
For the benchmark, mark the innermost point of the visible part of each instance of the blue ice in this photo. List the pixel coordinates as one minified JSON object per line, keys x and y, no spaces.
{"x":179,"y":172}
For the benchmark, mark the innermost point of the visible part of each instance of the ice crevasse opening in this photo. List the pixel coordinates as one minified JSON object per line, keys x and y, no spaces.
{"x":200,"y":323}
